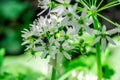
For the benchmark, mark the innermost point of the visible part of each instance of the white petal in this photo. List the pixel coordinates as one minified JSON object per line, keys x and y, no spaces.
{"x":40,"y":48}
{"x":93,"y":8}
{"x":42,"y":12}
{"x":60,"y":1}
{"x":89,"y":21}
{"x":118,"y":30}
{"x":25,"y":31}
{"x":110,"y":40}
{"x":70,"y":31}
{"x":65,"y":45}
{"x":95,"y":31}
{"x":88,"y":30}
{"x":59,"y":10}
{"x":77,"y":0}
{"x":53,"y":48}
{"x":51,"y":40}
{"x":96,"y":40}
{"x":68,"y":1}
{"x":28,"y":47}
{"x":104,"y":28}
{"x":59,"y":57}
{"x":57,"y":44}
{"x":84,"y":12}
{"x":67,"y":55}
{"x":103,"y":44}
{"x":26,"y":42}
{"x":112,"y":31}
{"x":65,"y":21}
{"x":72,"y":9}
{"x":52,"y":54}
{"x":75,"y":7}
{"x":43,"y":55}
{"x":77,"y":28}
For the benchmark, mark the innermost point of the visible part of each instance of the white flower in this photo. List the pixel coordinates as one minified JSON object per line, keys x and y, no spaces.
{"x":26,"y":33}
{"x":43,"y":37}
{"x":43,"y":4}
{"x":71,"y":33}
{"x":61,"y":10}
{"x":84,"y":21}
{"x":54,"y":23}
{"x":47,"y":48}
{"x":72,"y":10}
{"x":104,"y":37}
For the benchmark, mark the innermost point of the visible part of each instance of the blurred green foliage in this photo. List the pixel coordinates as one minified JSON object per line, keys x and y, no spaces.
{"x":2,"y":53}
{"x":12,"y":9}
{"x":19,"y":72}
{"x":15,"y":15}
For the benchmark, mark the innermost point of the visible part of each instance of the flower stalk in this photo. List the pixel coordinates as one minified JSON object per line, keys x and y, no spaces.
{"x":98,"y":50}
{"x":99,"y":64}
{"x":53,"y":76}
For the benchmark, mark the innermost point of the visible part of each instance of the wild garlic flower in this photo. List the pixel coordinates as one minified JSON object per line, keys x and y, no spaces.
{"x":104,"y":36}
{"x":60,"y":10}
{"x":48,"y":48}
{"x":70,"y":17}
{"x":28,"y":40}
{"x":44,"y":4}
{"x":45,"y":36}
{"x":85,"y":21}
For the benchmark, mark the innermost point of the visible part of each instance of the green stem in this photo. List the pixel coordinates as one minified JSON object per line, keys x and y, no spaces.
{"x":109,"y":6}
{"x":98,"y":51}
{"x":100,"y":4}
{"x":99,"y":65}
{"x":53,"y":76}
{"x":115,"y":24}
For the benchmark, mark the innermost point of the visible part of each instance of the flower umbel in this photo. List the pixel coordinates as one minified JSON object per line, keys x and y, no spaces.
{"x":43,"y":36}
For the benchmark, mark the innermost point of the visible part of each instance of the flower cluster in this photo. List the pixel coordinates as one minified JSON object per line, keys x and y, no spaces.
{"x":48,"y":35}
{"x":53,"y":34}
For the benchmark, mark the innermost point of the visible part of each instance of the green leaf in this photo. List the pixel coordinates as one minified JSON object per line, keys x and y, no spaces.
{"x":2,"y":53}
{"x":108,"y":72}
